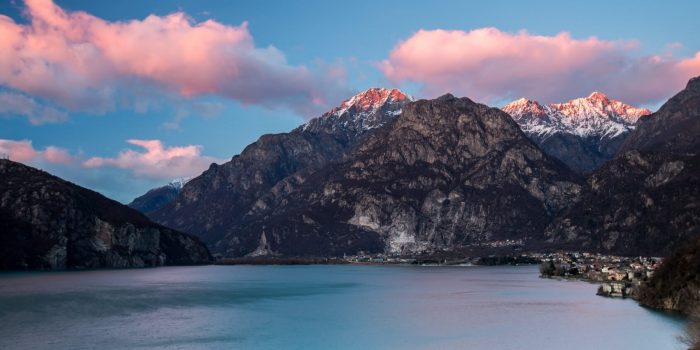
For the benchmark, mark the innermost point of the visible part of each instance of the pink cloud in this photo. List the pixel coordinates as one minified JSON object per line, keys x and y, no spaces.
{"x":154,"y":162}
{"x":157,"y":161}
{"x":17,"y":104}
{"x":19,"y":151}
{"x":24,"y":151}
{"x":82,"y":62}
{"x":488,"y":64}
{"x":58,"y":155}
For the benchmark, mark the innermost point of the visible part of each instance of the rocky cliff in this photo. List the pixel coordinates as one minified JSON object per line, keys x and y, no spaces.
{"x":445,"y":173}
{"x":46,"y":222}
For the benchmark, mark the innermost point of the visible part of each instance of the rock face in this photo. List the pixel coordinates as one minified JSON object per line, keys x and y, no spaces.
{"x":445,"y":173}
{"x":675,"y":286}
{"x":212,"y":204}
{"x":583,"y":133}
{"x":46,"y":222}
{"x":158,"y":197}
{"x":646,"y":200}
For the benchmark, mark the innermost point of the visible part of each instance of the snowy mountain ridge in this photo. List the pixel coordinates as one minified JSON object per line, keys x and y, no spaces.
{"x":592,"y":116}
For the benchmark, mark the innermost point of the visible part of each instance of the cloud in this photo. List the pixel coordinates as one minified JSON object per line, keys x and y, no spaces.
{"x":20,"y":151}
{"x":123,"y":177}
{"x":157,"y":161}
{"x":58,"y":155}
{"x":82,"y":62}
{"x":488,"y":64}
{"x":17,"y":104}
{"x":24,"y":151}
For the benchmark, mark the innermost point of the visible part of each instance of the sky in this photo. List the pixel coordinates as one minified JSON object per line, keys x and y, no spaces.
{"x":123,"y":96}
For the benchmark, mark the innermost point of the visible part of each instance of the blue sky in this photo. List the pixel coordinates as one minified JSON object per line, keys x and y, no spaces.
{"x":354,"y":37}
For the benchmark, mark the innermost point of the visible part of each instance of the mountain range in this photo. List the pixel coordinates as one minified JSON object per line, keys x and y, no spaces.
{"x":583,"y":133}
{"x":445,"y":173}
{"x":384,"y":173}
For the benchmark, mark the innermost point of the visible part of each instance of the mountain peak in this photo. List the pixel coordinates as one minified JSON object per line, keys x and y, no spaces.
{"x":371,"y":99}
{"x":598,"y":97}
{"x":367,"y":110}
{"x":524,"y":107}
{"x":598,"y":106}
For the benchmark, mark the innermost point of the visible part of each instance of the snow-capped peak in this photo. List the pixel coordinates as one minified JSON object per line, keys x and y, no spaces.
{"x":367,"y":110}
{"x":524,"y":107}
{"x":596,"y":115}
{"x":179,"y":183}
{"x":597,"y":96}
{"x":370,"y":100}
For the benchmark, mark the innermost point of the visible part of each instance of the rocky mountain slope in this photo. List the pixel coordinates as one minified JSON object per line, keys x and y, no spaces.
{"x":676,"y":129}
{"x":158,"y":197}
{"x":647,"y":199}
{"x":445,"y":173}
{"x":46,"y":222}
{"x":211,"y":204}
{"x":583,"y":133}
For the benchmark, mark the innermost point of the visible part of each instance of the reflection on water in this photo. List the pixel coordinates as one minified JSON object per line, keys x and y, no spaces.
{"x":302,"y":307}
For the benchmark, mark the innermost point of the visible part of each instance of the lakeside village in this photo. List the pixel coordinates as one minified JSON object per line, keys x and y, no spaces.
{"x":617,"y":276}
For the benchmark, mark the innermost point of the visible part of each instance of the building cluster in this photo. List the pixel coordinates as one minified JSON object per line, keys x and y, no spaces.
{"x":618,"y":276}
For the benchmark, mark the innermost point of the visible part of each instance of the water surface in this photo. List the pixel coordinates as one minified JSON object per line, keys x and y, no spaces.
{"x":320,"y":307}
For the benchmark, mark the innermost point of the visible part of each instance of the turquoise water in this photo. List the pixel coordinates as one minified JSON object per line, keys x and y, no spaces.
{"x":320,"y":307}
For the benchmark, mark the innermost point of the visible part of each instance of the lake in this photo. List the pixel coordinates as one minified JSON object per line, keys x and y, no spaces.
{"x":320,"y":307}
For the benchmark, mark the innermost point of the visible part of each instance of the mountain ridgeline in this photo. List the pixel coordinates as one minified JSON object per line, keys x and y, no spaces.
{"x":444,"y":174}
{"x":425,"y":175}
{"x":46,"y":222}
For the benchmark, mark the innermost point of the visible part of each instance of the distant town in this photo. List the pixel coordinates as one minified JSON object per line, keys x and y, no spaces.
{"x":618,"y":276}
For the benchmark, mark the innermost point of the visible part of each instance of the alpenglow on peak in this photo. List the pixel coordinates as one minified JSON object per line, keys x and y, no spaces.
{"x":596,"y":115}
{"x":365,"y":111}
{"x":371,"y":99}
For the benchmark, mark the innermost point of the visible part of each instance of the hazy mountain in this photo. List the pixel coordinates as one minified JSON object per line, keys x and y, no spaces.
{"x":158,"y":197}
